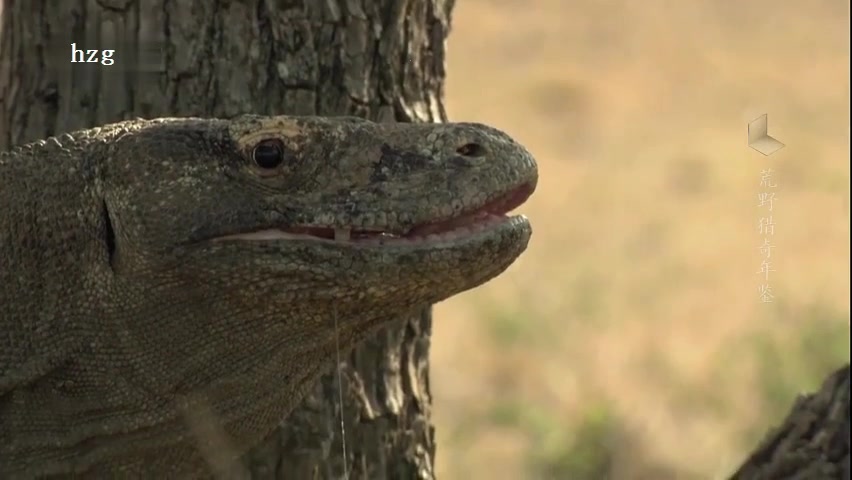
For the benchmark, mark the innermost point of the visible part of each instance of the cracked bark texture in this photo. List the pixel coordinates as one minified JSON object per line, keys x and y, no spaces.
{"x":379,"y":59}
{"x":813,"y":441}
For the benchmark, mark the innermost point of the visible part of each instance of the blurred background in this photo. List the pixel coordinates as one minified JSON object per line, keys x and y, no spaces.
{"x":630,"y":341}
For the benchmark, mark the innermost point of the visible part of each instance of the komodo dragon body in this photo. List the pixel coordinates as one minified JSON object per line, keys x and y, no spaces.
{"x":150,"y":268}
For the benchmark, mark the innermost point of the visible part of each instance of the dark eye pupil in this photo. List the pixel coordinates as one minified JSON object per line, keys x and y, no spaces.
{"x":268,"y":154}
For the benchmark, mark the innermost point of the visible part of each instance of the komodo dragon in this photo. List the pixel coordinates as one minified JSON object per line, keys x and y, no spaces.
{"x":149,"y":264}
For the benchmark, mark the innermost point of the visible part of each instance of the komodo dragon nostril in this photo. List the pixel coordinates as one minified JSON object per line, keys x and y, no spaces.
{"x":471,"y":150}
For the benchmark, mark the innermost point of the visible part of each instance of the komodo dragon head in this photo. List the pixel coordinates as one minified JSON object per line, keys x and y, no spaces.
{"x":237,"y":255}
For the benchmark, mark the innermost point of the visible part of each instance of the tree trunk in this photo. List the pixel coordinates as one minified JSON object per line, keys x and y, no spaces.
{"x":812,"y":443}
{"x":380,"y":59}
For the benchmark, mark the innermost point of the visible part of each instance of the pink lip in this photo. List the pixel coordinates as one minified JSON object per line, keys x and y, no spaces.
{"x":498,"y":207}
{"x":493,"y":212}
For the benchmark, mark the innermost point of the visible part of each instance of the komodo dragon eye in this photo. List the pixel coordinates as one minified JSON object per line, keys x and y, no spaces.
{"x":268,"y":154}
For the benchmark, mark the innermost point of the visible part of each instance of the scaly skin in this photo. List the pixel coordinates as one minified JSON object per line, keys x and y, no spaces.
{"x":145,"y":274}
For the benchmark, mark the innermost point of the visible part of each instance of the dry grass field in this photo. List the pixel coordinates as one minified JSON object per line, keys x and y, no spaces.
{"x":631,"y":342}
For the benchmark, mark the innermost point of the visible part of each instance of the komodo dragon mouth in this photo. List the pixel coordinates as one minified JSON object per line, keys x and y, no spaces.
{"x":488,"y":215}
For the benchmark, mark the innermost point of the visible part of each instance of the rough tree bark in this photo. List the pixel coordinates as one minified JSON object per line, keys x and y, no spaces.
{"x":380,"y":59}
{"x":813,"y":441}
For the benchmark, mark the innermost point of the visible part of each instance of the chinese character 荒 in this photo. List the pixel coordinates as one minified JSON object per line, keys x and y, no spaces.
{"x":766,"y":179}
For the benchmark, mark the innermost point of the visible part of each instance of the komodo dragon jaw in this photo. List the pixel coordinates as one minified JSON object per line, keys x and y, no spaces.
{"x":230,"y":249}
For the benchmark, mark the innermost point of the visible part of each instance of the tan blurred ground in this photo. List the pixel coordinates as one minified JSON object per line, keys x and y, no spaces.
{"x":630,"y":340}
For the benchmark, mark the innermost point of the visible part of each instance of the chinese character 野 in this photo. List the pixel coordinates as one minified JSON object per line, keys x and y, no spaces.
{"x":766,"y":199}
